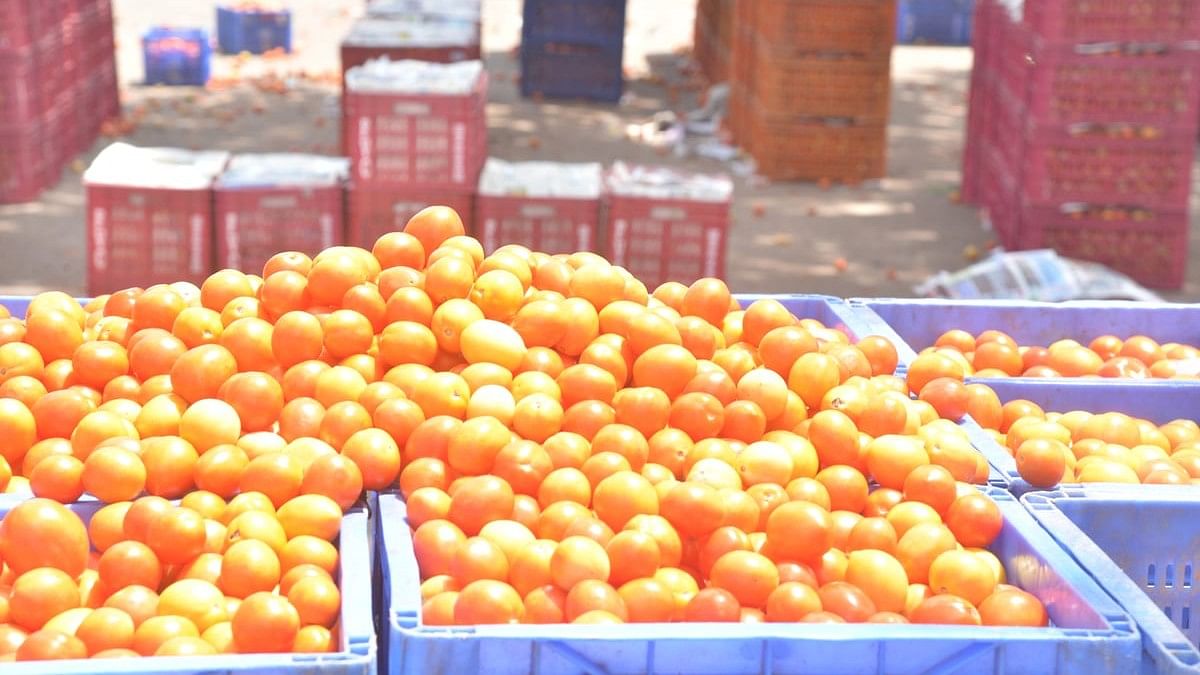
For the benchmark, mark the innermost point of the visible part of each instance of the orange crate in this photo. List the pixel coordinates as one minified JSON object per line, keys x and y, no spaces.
{"x":818,"y":149}
{"x":863,"y":27}
{"x":816,"y":86}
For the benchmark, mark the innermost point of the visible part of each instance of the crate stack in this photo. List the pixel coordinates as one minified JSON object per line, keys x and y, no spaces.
{"x":1083,"y":125}
{"x":546,"y":206}
{"x":266,"y":203}
{"x":58,"y":83}
{"x":416,"y":136}
{"x":442,"y":31}
{"x":712,"y":38}
{"x":572,"y":49}
{"x":666,"y":225}
{"x":812,"y":87}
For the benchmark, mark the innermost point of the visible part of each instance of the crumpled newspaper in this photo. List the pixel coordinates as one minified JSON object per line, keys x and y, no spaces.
{"x":1040,"y":275}
{"x":540,"y":179}
{"x":283,"y":169}
{"x":415,"y":77}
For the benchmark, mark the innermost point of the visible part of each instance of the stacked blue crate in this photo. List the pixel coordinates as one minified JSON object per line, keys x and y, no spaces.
{"x":943,"y":22}
{"x":254,"y":31}
{"x":573,"y":49}
{"x":176,"y":56}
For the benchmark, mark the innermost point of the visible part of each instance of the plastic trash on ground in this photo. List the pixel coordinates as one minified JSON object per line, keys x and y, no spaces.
{"x":540,"y":179}
{"x":415,"y":77}
{"x":1034,"y":275}
{"x":122,"y":164}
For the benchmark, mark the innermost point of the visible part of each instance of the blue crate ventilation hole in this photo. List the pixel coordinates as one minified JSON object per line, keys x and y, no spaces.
{"x":357,"y":650}
{"x":1156,"y":404}
{"x":913,"y":325}
{"x":254,"y":31}
{"x":1139,"y":543}
{"x":176,"y":56}
{"x":1090,"y":632}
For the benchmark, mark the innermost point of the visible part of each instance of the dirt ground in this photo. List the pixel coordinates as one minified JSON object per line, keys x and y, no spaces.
{"x":786,"y":237}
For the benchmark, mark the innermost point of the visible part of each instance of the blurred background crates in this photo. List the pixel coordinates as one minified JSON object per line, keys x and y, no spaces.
{"x":252,"y":28}
{"x":265,"y":204}
{"x":938,"y":22}
{"x":416,"y":124}
{"x":712,"y":38}
{"x":663,"y":225}
{"x":57,"y":86}
{"x":1139,"y":543}
{"x":546,"y":206}
{"x":373,"y":210}
{"x":1086,"y":146}
{"x":149,"y":216}
{"x":811,"y":87}
{"x":574,"y":50}
{"x":177,"y":56}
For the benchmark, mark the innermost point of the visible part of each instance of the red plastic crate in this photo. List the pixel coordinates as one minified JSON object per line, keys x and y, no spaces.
{"x":1060,"y":168}
{"x":374,"y":211}
{"x":21,"y":98}
{"x":416,"y":140}
{"x":667,"y":240}
{"x":1150,"y":246}
{"x":15,"y":24}
{"x":144,"y":236}
{"x":254,"y":224}
{"x":47,"y":57}
{"x":541,"y":224}
{"x":1063,"y":84}
{"x":998,"y":195}
{"x":1114,"y":20}
{"x":25,"y":161}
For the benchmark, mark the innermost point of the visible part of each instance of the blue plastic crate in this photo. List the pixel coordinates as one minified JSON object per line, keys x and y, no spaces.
{"x":1090,"y":634}
{"x":913,"y":325}
{"x":357,"y":651}
{"x":1139,"y":544}
{"x":941,"y":22}
{"x":177,"y":56}
{"x":595,"y":22}
{"x":253,"y":30}
{"x":1157,"y":404}
{"x":572,"y":70}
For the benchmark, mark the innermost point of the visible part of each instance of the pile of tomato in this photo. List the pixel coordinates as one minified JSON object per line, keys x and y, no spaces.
{"x":994,"y":353}
{"x":571,"y":448}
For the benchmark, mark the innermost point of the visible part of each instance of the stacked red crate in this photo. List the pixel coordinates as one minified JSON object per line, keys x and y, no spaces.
{"x":1081,"y":133}
{"x":57,"y":84}
{"x":149,"y":216}
{"x":664,"y":225}
{"x":811,"y":87}
{"x":712,"y":38}
{"x":545,"y":206}
{"x":278,"y":202}
{"x":411,"y":129}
